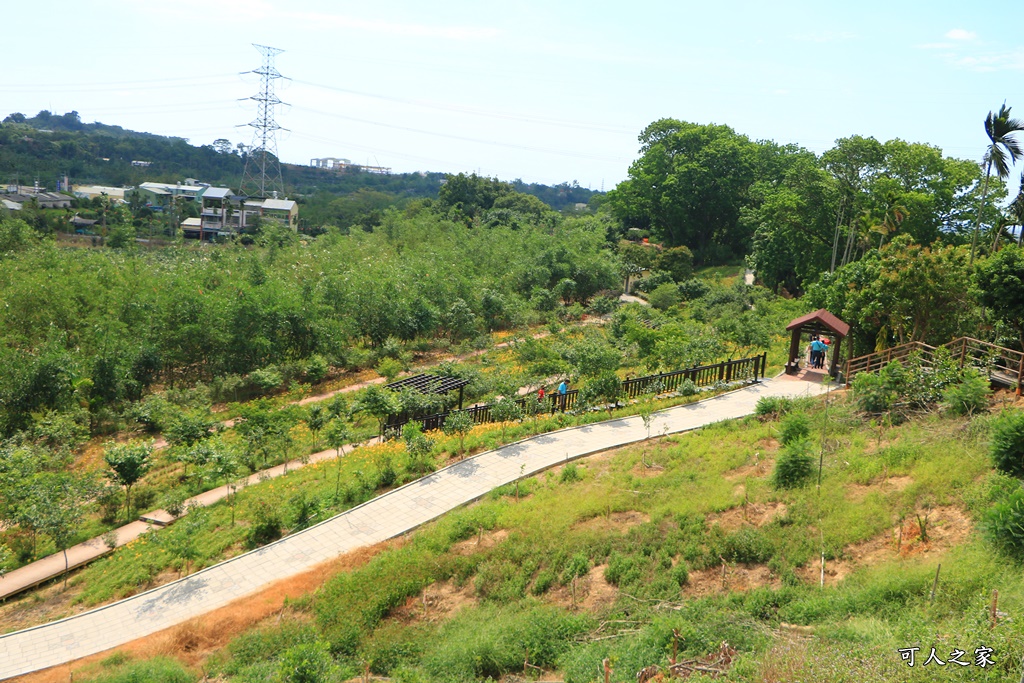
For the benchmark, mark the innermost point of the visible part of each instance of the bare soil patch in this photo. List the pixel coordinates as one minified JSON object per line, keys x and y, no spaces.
{"x":593,"y":593}
{"x":737,"y":578}
{"x":760,"y":467}
{"x":437,"y":602}
{"x":753,"y":514}
{"x":193,"y":641}
{"x":479,"y":542}
{"x":618,"y":521}
{"x":858,"y":492}
{"x":946,"y":527}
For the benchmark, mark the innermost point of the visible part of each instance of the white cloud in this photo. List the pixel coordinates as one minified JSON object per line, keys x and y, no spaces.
{"x":961,"y":34}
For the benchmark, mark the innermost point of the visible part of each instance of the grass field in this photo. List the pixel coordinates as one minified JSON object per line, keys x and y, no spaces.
{"x":605,"y":558}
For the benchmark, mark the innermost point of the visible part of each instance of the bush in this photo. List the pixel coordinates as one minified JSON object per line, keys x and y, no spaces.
{"x":969,"y":396}
{"x":680,"y":574}
{"x":1004,"y":525}
{"x":687,"y":387}
{"x":693,"y":289}
{"x":622,"y":570}
{"x":747,"y":546}
{"x":570,"y":473}
{"x":794,"y":427}
{"x":266,"y":379}
{"x":316,"y":369}
{"x":1007,"y":447}
{"x":545,"y":580}
{"x":306,"y":663}
{"x":769,"y":407}
{"x":265,"y":526}
{"x":665,"y":296}
{"x":793,"y":466}
{"x":603,"y":305}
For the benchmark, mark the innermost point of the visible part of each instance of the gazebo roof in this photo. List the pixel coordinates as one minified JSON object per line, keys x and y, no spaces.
{"x":428,"y":384}
{"x":821,"y":318}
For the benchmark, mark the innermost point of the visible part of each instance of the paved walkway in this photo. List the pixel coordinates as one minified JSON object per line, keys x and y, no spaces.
{"x":384,"y":517}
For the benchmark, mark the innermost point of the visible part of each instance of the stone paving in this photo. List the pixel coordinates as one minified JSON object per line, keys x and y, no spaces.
{"x":389,"y":515}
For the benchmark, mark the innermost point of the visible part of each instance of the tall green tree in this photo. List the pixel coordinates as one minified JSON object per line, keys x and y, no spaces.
{"x":128,"y":463}
{"x":1002,"y":151}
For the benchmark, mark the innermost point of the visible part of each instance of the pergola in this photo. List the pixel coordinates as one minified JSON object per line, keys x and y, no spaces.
{"x":430,"y":385}
{"x":819,"y":322}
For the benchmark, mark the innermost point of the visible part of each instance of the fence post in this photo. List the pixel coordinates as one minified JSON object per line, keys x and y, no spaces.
{"x":764,"y":364}
{"x":721,"y":371}
{"x":728,"y":370}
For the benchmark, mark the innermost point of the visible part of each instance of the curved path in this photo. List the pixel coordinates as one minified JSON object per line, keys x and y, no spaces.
{"x":389,"y":515}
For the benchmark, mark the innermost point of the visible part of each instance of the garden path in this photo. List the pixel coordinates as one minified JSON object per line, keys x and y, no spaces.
{"x":387,"y":516}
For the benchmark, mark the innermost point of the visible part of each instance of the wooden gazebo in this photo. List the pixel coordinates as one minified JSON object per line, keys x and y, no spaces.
{"x":437,"y":385}
{"x":820,"y":322}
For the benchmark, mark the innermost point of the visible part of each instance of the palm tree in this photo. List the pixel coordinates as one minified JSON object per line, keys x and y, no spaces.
{"x":1003,"y":151}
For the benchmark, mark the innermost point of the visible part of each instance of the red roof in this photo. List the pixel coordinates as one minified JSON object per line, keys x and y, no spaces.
{"x":825,"y":318}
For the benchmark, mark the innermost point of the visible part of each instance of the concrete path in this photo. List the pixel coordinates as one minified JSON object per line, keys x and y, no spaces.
{"x":384,"y":517}
{"x":52,"y":566}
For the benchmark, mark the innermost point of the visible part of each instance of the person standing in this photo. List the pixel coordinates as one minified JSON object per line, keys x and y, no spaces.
{"x":563,"y":390}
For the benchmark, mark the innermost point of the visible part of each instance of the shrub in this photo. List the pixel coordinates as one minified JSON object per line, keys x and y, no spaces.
{"x":266,"y":379}
{"x":680,"y":574}
{"x":693,"y":288}
{"x":316,"y":369}
{"x":1007,"y":447}
{"x":747,"y":546}
{"x":1004,"y":525}
{"x":570,"y":473}
{"x":389,"y":368}
{"x":265,"y":526}
{"x":306,"y":663}
{"x":793,"y":466}
{"x":967,"y":397}
{"x":545,"y":580}
{"x":603,"y":305}
{"x":665,"y":296}
{"x":622,"y":570}
{"x":794,"y":427}
{"x":578,"y":565}
{"x":687,"y":387}
{"x":769,"y":407}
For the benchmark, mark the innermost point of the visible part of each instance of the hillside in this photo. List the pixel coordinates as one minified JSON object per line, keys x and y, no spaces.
{"x":50,"y":146}
{"x":607,"y":558}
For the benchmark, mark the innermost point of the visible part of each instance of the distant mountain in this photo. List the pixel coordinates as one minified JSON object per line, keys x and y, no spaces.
{"x":48,"y":146}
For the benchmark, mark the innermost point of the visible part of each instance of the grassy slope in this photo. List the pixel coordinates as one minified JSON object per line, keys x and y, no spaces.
{"x":626,"y":532}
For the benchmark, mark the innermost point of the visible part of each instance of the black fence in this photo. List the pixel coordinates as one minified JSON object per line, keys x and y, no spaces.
{"x":744,"y":369}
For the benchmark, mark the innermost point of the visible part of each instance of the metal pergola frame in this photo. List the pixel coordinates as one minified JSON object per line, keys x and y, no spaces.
{"x":430,"y":385}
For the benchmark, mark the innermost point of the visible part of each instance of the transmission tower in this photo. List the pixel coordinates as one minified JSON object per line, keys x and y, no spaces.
{"x":262,"y":175}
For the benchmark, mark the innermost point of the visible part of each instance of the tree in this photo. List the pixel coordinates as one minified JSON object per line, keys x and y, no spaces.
{"x":1003,"y":150}
{"x":419,"y":447}
{"x":688,"y":186}
{"x":379,"y":403}
{"x":223,"y":465}
{"x":317,"y":418}
{"x":605,"y":388}
{"x":181,"y":541}
{"x":337,"y":435}
{"x":62,"y":501}
{"x":458,"y":423}
{"x":506,"y":410}
{"x":128,"y":463}
{"x":1000,"y":279}
{"x":676,"y":261}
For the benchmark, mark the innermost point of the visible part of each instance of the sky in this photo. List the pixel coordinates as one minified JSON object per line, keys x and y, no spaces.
{"x":546,"y":92}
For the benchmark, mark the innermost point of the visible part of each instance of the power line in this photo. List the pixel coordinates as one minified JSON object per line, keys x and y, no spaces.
{"x":579,"y":125}
{"x":262,"y":175}
{"x":529,"y":148}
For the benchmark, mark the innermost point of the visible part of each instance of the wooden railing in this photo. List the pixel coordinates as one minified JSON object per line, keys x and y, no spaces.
{"x":1000,"y":364}
{"x":743,"y":369}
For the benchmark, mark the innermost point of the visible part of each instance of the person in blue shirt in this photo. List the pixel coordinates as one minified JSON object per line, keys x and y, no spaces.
{"x":563,"y":389}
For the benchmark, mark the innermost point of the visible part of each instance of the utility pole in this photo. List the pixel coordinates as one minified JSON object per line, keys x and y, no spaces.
{"x":262,"y":175}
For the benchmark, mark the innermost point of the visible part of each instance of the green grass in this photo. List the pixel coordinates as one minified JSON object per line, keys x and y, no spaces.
{"x":557,"y":529}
